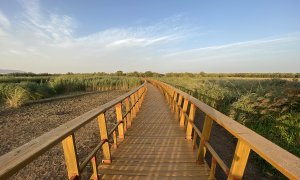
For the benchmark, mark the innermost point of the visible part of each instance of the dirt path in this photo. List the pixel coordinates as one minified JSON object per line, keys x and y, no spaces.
{"x":18,"y":126}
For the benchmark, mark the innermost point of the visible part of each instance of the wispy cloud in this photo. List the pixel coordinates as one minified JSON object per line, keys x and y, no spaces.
{"x":4,"y":22}
{"x":237,"y":45}
{"x":42,"y":37}
{"x":46,"y":25}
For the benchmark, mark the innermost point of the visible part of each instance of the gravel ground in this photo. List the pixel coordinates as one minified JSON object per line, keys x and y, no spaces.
{"x":18,"y":126}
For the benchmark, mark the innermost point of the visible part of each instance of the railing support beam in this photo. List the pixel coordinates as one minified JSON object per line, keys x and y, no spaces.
{"x":128,"y":117}
{"x":239,"y":161}
{"x":104,"y":136}
{"x":182,"y":113}
{"x":189,"y":127}
{"x":205,"y":135}
{"x":71,"y":156}
{"x":120,"y":118}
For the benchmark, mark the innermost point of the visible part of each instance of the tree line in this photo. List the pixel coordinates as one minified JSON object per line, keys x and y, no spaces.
{"x":170,"y":74}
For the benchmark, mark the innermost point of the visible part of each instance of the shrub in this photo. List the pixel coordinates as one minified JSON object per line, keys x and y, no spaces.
{"x":16,"y":96}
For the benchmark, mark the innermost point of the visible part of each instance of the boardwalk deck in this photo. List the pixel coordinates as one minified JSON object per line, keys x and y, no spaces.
{"x":155,"y":147}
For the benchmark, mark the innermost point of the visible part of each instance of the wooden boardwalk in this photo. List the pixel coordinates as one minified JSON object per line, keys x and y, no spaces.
{"x":154,"y":147}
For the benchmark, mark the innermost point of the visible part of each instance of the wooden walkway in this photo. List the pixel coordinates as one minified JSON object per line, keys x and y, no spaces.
{"x":154,"y":147}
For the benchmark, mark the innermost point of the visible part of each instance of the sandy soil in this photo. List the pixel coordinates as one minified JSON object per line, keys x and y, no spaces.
{"x":18,"y":126}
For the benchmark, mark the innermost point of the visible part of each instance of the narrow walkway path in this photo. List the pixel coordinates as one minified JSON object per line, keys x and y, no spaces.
{"x":154,"y":147}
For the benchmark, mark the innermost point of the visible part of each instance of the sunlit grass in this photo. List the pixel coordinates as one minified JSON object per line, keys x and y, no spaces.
{"x":32,"y":88}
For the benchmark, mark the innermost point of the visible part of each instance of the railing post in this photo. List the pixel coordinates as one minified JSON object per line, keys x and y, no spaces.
{"x":194,"y":140}
{"x":140,"y":97}
{"x":171,"y":99}
{"x":120,"y":118}
{"x":104,"y":137}
{"x":144,"y":94}
{"x":133,"y":112}
{"x":128,"y":117}
{"x":136,"y":106}
{"x":71,"y":156}
{"x":205,"y":134}
{"x":175,"y":102}
{"x":182,"y":114}
{"x":239,"y":161}
{"x":167,"y":96}
{"x":95,"y":168}
{"x":115,"y":145}
{"x":179,"y":106}
{"x":189,"y":127}
{"x":212,"y":169}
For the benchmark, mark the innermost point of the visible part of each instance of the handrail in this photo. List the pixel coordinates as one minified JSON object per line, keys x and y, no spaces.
{"x":16,"y":159}
{"x":287,"y":163}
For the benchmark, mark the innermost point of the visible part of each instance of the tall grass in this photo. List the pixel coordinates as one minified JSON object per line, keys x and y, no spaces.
{"x":15,"y":94}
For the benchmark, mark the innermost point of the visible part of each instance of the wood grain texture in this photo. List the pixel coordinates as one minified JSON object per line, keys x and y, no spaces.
{"x":155,"y":147}
{"x":284,"y":161}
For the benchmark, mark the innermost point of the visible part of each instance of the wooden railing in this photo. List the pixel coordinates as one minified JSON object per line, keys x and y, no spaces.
{"x":287,"y":163}
{"x":17,"y":159}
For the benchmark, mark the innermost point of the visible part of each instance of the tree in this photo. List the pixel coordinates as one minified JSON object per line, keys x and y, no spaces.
{"x":119,"y":73}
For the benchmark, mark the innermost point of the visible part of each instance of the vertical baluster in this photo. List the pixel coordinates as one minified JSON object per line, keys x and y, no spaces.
{"x":179,"y":107}
{"x":239,"y":161}
{"x":194,"y":139}
{"x":212,"y":168}
{"x":204,"y":137}
{"x":104,"y":137}
{"x":71,"y":159}
{"x":115,"y":145}
{"x":128,"y":117}
{"x":95,"y":168}
{"x":184,"y":109}
{"x":136,"y":103}
{"x":175,"y":102}
{"x":120,"y":118}
{"x":171,"y":99}
{"x":140,"y":97}
{"x":133,"y":113}
{"x":189,"y":127}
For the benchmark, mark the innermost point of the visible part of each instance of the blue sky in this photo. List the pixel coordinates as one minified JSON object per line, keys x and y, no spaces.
{"x":162,"y":36}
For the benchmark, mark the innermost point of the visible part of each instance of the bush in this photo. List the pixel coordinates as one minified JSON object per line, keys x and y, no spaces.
{"x":15,"y":97}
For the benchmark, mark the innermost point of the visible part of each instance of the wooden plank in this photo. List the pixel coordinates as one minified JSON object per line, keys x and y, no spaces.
{"x":176,"y":167}
{"x":204,"y":137}
{"x":155,"y":156}
{"x":128,"y":117}
{"x":95,"y":168}
{"x":71,"y":156}
{"x":160,"y":164}
{"x":150,"y":177}
{"x":133,"y":111}
{"x":182,"y":115}
{"x":178,"y":112}
{"x":136,"y":102}
{"x":104,"y":136}
{"x":239,"y":161}
{"x":212,"y":169}
{"x":119,"y":119}
{"x":155,"y":173}
{"x":155,"y":145}
{"x":191,"y":120}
